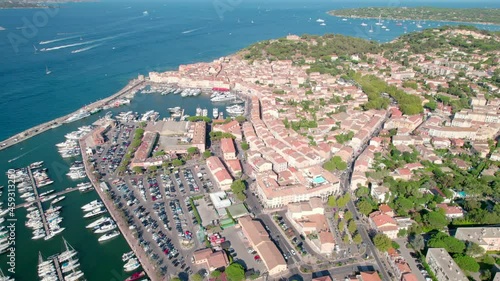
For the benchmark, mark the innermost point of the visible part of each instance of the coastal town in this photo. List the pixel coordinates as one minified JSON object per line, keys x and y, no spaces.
{"x":345,"y":160}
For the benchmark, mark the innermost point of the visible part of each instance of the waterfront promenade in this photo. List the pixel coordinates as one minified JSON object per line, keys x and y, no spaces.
{"x":141,"y":255}
{"x":131,"y":87}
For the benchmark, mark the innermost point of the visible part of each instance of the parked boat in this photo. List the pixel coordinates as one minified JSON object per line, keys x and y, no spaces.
{"x":109,"y":236}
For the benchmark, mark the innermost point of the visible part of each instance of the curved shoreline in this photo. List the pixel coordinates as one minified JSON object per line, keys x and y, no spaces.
{"x":133,"y":85}
{"x":410,"y":19}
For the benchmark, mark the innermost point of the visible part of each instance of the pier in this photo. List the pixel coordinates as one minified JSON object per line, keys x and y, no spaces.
{"x":39,"y":203}
{"x":132,"y":241}
{"x":132,"y":86}
{"x":58,"y":268}
{"x":38,"y":200}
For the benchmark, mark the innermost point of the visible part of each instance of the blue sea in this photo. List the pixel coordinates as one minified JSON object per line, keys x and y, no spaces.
{"x":93,"y":49}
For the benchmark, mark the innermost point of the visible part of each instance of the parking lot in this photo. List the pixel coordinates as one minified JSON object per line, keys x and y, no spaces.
{"x":241,"y":250}
{"x":156,"y":206}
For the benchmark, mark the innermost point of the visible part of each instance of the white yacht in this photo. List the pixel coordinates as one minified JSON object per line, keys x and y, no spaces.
{"x":91,"y":205}
{"x":95,"y":212}
{"x":127,"y":256}
{"x":105,"y":228}
{"x":57,"y":200}
{"x":109,"y":236}
{"x":99,"y":221}
{"x":77,"y":116}
{"x":131,"y":265}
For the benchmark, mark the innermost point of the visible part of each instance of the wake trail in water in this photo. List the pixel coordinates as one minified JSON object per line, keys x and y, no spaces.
{"x":85,"y":49}
{"x":57,"y":40}
{"x":22,"y":155}
{"x":191,"y":30}
{"x":81,"y":44}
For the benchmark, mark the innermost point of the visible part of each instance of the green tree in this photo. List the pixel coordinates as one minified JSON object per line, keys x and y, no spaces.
{"x":382,"y":242}
{"x":466,"y":263}
{"x":177,"y":162}
{"x":192,"y":150}
{"x":364,"y":207}
{"x":357,"y":238}
{"x":431,"y":105}
{"x":451,"y":244}
{"x":196,"y":277}
{"x":352,"y":226}
{"x":240,"y":119}
{"x":215,"y":274}
{"x":348,"y":215}
{"x":245,"y":146}
{"x":152,"y":169}
{"x":159,"y":153}
{"x":343,"y":200}
{"x":362,"y":191}
{"x":137,"y":170}
{"x":235,"y":272}
{"x":435,"y":220}
{"x":238,"y":187}
{"x":341,"y":225}
{"x":332,"y":201}
{"x":474,"y":250}
{"x":207,"y":153}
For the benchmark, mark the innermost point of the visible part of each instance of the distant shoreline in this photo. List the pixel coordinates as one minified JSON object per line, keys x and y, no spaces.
{"x":455,"y":15}
{"x":411,"y":19}
{"x":39,"y":4}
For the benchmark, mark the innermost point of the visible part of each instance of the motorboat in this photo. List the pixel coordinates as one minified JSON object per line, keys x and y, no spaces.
{"x":109,"y":236}
{"x":131,"y":265}
{"x":127,"y":256}
{"x":99,"y":222}
{"x":95,"y":212}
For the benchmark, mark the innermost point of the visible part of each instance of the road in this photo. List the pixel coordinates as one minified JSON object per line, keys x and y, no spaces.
{"x":405,"y":253}
{"x":345,"y":186}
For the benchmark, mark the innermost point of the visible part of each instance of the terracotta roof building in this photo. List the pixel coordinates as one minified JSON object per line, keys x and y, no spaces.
{"x":259,"y":240}
{"x":210,"y":260}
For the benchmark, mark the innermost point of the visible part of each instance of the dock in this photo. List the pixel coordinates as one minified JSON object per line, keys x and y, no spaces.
{"x":131,"y":87}
{"x":38,"y":200}
{"x":132,"y":241}
{"x":39,"y":203}
{"x":58,"y":268}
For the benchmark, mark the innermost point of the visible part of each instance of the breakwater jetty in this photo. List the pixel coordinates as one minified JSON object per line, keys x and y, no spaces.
{"x":131,"y":87}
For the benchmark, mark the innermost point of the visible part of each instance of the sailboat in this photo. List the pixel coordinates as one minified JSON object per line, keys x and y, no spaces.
{"x":47,"y":71}
{"x":418,"y":25}
{"x":3,"y":277}
{"x":36,"y":50}
{"x":379,"y":20}
{"x":371,"y":29}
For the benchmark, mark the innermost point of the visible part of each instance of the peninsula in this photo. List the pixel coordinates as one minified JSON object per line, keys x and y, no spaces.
{"x":471,"y":15}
